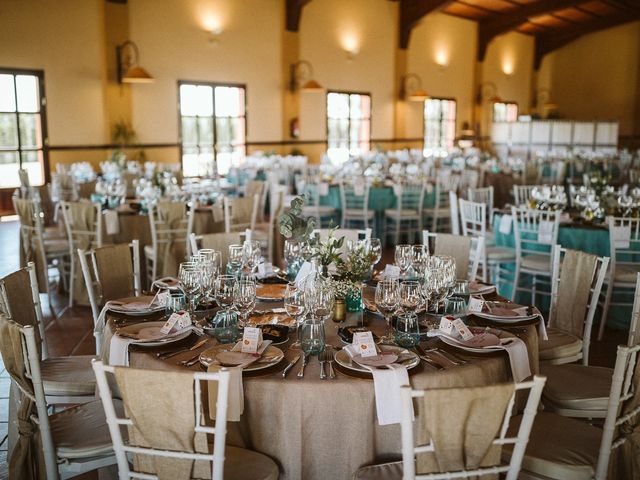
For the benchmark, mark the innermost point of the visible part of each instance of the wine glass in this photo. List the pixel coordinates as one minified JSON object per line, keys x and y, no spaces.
{"x":244,"y":299}
{"x":295,"y":307}
{"x":387,"y":300}
{"x":375,"y":247}
{"x":319,"y":299}
{"x":292,"y":257}
{"x":251,"y":254}
{"x":409,"y":296}
{"x":189,"y":274}
{"x":403,"y":257}
{"x":213,"y":256}
{"x":420,"y":256}
{"x":234,"y":263}
{"x":312,"y":337}
{"x":224,"y":290}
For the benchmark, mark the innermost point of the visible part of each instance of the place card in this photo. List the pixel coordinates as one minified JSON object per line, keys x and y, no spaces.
{"x":364,"y":344}
{"x":161,"y":298}
{"x":323,"y":189}
{"x":462,"y":329}
{"x":391,"y":271}
{"x":446,"y":325}
{"x":112,"y":224}
{"x":545,"y":232}
{"x":475,"y":304}
{"x":505,"y":224}
{"x":622,"y":236}
{"x":251,"y":339}
{"x":265,"y":269}
{"x":179,"y":320}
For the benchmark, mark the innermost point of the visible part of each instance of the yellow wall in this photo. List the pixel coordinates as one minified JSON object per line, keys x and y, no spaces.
{"x":174,"y":46}
{"x":73,"y":42}
{"x":450,"y":41}
{"x":327,"y":28}
{"x":65,"y":39}
{"x":597,"y":76}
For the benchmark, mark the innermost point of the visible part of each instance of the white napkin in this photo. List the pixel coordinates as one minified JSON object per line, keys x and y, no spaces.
{"x":386,"y":385}
{"x":166,"y":282}
{"x":518,"y":357}
{"x":119,"y":351}
{"x":111,"y":222}
{"x":542,"y":328}
{"x":235,"y":406}
{"x":306,"y":269}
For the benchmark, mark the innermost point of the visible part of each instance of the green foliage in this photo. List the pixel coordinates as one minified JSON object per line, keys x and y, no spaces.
{"x":293,"y":226}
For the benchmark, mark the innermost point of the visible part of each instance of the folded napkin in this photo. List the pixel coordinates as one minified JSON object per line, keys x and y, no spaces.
{"x":235,"y":402}
{"x":111,"y":222}
{"x":518,"y":357}
{"x":119,"y":351}
{"x":386,"y":385}
{"x":166,"y":282}
{"x":522,"y":311}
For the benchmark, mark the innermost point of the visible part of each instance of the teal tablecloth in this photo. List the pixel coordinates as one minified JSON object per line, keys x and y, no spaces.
{"x":380,"y":199}
{"x":587,"y":239}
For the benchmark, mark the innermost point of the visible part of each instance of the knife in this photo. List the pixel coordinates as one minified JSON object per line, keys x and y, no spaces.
{"x":290,"y":365}
{"x":305,"y":360}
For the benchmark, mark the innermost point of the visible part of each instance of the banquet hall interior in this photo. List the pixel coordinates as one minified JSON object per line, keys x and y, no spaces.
{"x":320,"y":239}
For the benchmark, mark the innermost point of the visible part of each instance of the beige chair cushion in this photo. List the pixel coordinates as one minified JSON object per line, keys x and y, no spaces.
{"x":356,"y":212}
{"x":560,"y":345}
{"x":500,"y":253}
{"x":384,"y":471}
{"x":82,"y":431}
{"x":148,"y":251}
{"x":51,"y":233}
{"x":71,"y":375}
{"x":392,"y":212}
{"x":56,"y":245}
{"x":241,"y":464}
{"x":559,"y":447}
{"x":626,"y":274}
{"x":577,"y":387}
{"x":537,"y":262}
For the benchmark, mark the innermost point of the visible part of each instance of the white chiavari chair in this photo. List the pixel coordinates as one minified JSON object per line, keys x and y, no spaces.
{"x":483,"y":195}
{"x":169,"y":224}
{"x":536,"y":232}
{"x":470,"y":247}
{"x":354,"y":199}
{"x":516,"y":440}
{"x":406,"y":218}
{"x":624,"y":244}
{"x":522,"y":194}
{"x":216,"y":241}
{"x":324,"y":215}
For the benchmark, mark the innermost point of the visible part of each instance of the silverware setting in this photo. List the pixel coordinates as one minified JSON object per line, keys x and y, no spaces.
{"x":291,"y":364}
{"x":305,"y":361}
{"x":326,"y":357}
{"x":190,"y":361}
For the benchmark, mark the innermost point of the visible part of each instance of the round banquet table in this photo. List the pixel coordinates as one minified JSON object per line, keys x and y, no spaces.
{"x":327,"y":429}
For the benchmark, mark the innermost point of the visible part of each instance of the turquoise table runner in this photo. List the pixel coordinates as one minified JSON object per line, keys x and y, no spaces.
{"x":590,"y":240}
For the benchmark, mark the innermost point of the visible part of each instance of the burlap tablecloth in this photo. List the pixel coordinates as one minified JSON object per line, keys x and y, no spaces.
{"x":327,"y":429}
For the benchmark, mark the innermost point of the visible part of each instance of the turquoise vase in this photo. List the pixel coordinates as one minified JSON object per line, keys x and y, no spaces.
{"x":353,"y":302}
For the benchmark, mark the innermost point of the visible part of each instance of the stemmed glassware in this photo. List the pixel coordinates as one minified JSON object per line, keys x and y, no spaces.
{"x":295,"y":307}
{"x":244,"y":298}
{"x":403,"y":257}
{"x":189,"y":275}
{"x":251,"y":254}
{"x":234,"y":263}
{"x":318,"y":299}
{"x":292,"y":257}
{"x":410,"y":296}
{"x":224,"y":290}
{"x":387,"y":301}
{"x":420,"y":257}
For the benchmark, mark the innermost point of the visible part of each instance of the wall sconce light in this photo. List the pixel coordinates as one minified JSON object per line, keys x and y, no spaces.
{"x":213,"y":36}
{"x":411,"y":88}
{"x":488,"y":91}
{"x":129,"y":71}
{"x":301,"y":77}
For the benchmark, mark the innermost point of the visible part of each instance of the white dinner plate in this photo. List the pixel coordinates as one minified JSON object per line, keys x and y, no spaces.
{"x":477,"y":288}
{"x":408,"y":359}
{"x":270,"y":357}
{"x":135,"y":306}
{"x":490,"y":341}
{"x":148,"y":334}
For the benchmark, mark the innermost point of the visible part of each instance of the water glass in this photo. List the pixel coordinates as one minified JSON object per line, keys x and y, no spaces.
{"x":455,"y":306}
{"x":224,"y":290}
{"x":407,"y":330}
{"x":312,"y":337}
{"x":461,"y":289}
{"x":234,"y":263}
{"x":176,"y":302}
{"x":244,"y":298}
{"x":225,"y":326}
{"x":294,"y":306}
{"x":387,"y":300}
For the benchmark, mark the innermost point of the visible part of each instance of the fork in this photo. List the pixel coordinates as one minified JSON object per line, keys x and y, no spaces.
{"x":327,"y":356}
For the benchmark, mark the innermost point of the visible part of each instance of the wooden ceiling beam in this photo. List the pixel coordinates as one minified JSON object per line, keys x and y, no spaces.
{"x":547,"y":43}
{"x":412,"y":11}
{"x":499,"y":24}
{"x":294,"y":13}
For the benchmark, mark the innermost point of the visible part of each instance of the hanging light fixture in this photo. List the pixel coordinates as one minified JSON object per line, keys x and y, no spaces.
{"x":129,"y":71}
{"x":301,"y":77}
{"x":411,"y":88}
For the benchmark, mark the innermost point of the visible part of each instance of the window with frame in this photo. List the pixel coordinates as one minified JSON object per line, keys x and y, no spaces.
{"x":439,"y":124}
{"x":212,"y":127}
{"x":348,"y":125}
{"x":505,"y":112}
{"x":22,"y":127}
